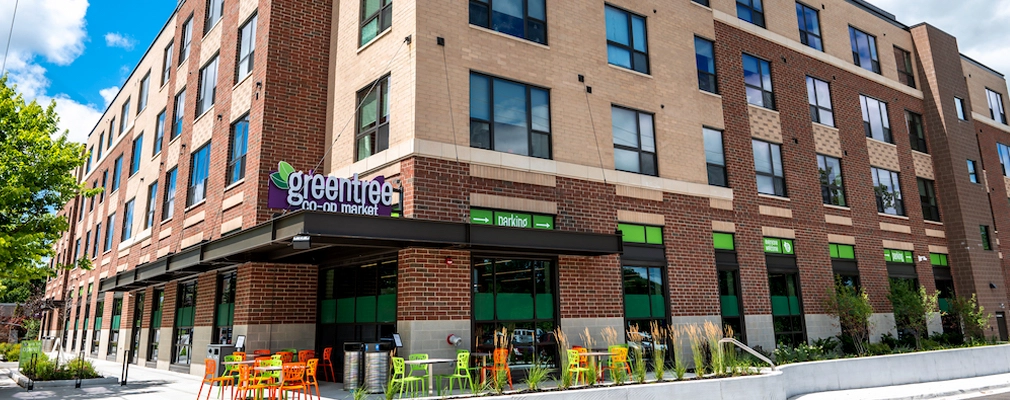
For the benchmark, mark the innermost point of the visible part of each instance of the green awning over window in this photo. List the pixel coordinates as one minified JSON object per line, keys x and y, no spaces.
{"x":938,"y":259}
{"x":641,"y":233}
{"x":842,"y":251}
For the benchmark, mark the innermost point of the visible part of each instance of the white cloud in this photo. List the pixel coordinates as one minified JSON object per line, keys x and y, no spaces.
{"x":115,"y":39}
{"x":54,"y":31}
{"x":981,"y":26}
{"x":109,"y":94}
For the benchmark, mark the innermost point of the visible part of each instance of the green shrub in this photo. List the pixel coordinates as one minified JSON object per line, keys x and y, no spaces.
{"x":45,"y":369}
{"x":785,"y":354}
{"x":878,"y":349}
{"x":11,"y":352}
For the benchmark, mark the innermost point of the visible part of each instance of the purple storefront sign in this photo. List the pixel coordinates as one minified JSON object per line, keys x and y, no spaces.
{"x":328,"y":193}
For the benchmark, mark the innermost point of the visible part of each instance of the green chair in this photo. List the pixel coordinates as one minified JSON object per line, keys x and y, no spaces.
{"x":575,"y":368}
{"x":419,"y":367}
{"x":229,"y":371}
{"x":462,"y":372}
{"x":404,"y":381}
{"x":294,"y":353}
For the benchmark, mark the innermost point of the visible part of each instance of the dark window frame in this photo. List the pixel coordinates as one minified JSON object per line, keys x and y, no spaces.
{"x":707,"y":80}
{"x":145,"y":92}
{"x":184,"y":290}
{"x":246,"y":48}
{"x":754,"y":11}
{"x":383,"y":17}
{"x":894,"y":178}
{"x":871,"y":44}
{"x":804,"y":26}
{"x":208,"y":75}
{"x":159,"y":132}
{"x":199,"y":175}
{"x":885,"y":119}
{"x":171,"y":189}
{"x":117,"y":173}
{"x":152,"y":205}
{"x":187,"y":39}
{"x":136,"y":154}
{"x":226,"y":290}
{"x":488,"y":23}
{"x":636,"y":56}
{"x":832,"y":192}
{"x":973,"y":171}
{"x":179,"y":114}
{"x":1004,"y":157}
{"x":378,"y":132}
{"x":237,"y":162}
{"x":916,"y":132}
{"x":129,"y":208}
{"x":961,"y":107}
{"x":211,"y":18}
{"x":906,"y":73}
{"x":713,"y":166}
{"x":927,"y":198}
{"x":640,"y":149}
{"x":166,"y":63}
{"x":777,"y":177}
{"x":816,"y":108}
{"x":991,"y":95}
{"x":530,"y":132}
{"x":986,"y":237}
{"x":110,"y":224}
{"x":767,"y":94}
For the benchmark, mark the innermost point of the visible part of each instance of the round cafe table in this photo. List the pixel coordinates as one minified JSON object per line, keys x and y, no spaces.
{"x":429,"y":362}
{"x":594,"y":357}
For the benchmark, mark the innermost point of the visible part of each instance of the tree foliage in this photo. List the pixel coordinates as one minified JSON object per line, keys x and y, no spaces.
{"x":36,"y":180}
{"x":913,"y":308}
{"x":853,"y":309}
{"x":972,"y":317}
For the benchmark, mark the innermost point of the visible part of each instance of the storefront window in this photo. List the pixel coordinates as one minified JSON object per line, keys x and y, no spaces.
{"x":117,"y":315}
{"x":644,"y":296}
{"x":787,"y":316}
{"x":225,"y":312}
{"x":730,"y":301}
{"x":154,"y":334}
{"x":182,"y":350}
{"x":96,"y":335}
{"x":138,"y":315}
{"x":516,"y":295}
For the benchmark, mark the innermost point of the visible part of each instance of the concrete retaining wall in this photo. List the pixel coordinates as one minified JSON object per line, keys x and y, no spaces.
{"x":813,"y":377}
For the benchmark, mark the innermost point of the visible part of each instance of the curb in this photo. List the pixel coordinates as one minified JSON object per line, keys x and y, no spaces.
{"x":23,"y":382}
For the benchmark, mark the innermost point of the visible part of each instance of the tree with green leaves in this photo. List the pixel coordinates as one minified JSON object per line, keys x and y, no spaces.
{"x":913,"y":308}
{"x":36,"y":180}
{"x":853,"y":309}
{"x":972,"y":317}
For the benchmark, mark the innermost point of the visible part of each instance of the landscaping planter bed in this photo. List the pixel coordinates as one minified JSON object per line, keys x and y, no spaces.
{"x":23,"y":382}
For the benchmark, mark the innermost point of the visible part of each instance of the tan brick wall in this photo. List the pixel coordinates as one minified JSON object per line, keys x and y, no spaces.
{"x":979,"y":80}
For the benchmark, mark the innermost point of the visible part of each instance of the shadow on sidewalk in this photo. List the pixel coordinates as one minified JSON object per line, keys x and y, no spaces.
{"x":136,"y":389}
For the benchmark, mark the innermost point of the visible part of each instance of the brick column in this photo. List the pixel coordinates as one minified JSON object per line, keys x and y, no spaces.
{"x":275,"y":305}
{"x":433,"y":300}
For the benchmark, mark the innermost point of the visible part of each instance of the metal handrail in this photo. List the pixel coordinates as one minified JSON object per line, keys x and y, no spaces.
{"x":746,"y":348}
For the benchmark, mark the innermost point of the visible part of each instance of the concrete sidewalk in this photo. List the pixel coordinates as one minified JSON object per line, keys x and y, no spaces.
{"x":948,"y":390}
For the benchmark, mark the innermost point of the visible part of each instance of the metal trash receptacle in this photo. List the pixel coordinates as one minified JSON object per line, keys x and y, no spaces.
{"x":376,"y":366}
{"x":353,"y":357}
{"x":217,"y":352}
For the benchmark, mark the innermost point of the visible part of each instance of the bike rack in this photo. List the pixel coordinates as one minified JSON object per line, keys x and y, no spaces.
{"x":746,"y":348}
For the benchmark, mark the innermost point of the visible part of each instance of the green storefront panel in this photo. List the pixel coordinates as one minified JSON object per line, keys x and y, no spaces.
{"x":483,"y":306}
{"x":328,"y":311}
{"x":545,"y":306}
{"x":225,"y":314}
{"x":345,"y":311}
{"x":386,"y":304}
{"x":723,"y":241}
{"x":658,"y":306}
{"x":636,"y":306}
{"x":632,"y":233}
{"x":183,"y":317}
{"x":365,"y":309}
{"x":785,"y":305}
{"x":515,"y":306}
{"x":847,"y":252}
{"x":653,"y":235}
{"x":116,"y":321}
{"x":730,"y":306}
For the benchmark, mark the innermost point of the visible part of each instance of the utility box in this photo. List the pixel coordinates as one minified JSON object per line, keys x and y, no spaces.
{"x":217,"y":352}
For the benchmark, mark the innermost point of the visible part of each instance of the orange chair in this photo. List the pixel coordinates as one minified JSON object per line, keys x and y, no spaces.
{"x":284,"y":356}
{"x":500,"y":363}
{"x":306,"y":355}
{"x":240,"y":354}
{"x":261,"y":352}
{"x":310,"y":376}
{"x":210,"y":377}
{"x":293,"y":380}
{"x":583,"y":360}
{"x":248,"y":382}
{"x":326,"y":364}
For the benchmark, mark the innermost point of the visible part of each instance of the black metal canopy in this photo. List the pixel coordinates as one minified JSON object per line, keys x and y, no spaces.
{"x":337,"y":236}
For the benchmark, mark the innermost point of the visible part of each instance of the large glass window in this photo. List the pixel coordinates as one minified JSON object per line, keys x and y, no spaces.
{"x":888,"y":191}
{"x":996,"y":111}
{"x":180,"y":111}
{"x":117,"y":317}
{"x":166,"y":66}
{"x":904,"y":61}
{"x":101,"y":141}
{"x":237,"y":150}
{"x":644,"y":296}
{"x":517,"y":295}
{"x":1004,"y":157}
{"x":376,"y":17}
{"x":224,"y":313}
{"x":145,"y":91}
{"x":830,"y":170}
{"x":916,"y":136}
{"x":125,"y":118}
{"x":819,"y":97}
{"x":98,"y":234}
{"x":730,"y":301}
{"x":757,"y":76}
{"x":875,"y":122}
{"x":927,"y":196}
{"x":154,"y":333}
{"x":117,"y":173}
{"x":185,"y":310}
{"x":751,"y":11}
{"x":208,"y":87}
{"x":96,"y":333}
{"x":626,"y":40}
{"x":138,"y":145}
{"x":864,"y":50}
{"x":110,"y":228}
{"x":215,"y":10}
{"x":159,"y":133}
{"x":138,"y":319}
{"x":128,"y":220}
{"x":984,"y":232}
{"x":715,"y":159}
{"x":187,"y":39}
{"x":810,"y":26}
{"x":768,"y":165}
{"x":168,"y":208}
{"x":373,"y":119}
{"x":525,"y":19}
{"x":510,"y":117}
{"x":199,"y":169}
{"x":704,"y":55}
{"x":246,"y":48}
{"x":152,"y":205}
{"x":787,"y":313}
{"x":634,"y":141}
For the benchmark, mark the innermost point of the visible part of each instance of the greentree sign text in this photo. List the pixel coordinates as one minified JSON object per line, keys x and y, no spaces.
{"x":295,"y":190}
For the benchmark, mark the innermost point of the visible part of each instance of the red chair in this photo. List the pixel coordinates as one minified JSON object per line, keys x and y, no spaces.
{"x":326,"y":364}
{"x":306,"y":355}
{"x":261,"y":352}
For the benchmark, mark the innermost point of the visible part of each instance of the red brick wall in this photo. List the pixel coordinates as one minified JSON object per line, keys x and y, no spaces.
{"x":276,"y":294}
{"x":206,"y":299}
{"x":428,"y":288}
{"x":590,"y":287}
{"x":168,"y":308}
{"x":149,"y":300}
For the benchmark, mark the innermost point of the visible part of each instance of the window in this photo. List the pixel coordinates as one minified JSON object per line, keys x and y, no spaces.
{"x":198,"y":171}
{"x":702,"y":2}
{"x":224,"y":313}
{"x":77,"y":248}
{"x":704,"y":54}
{"x":787,"y":314}
{"x":518,"y":294}
{"x":984,"y":231}
{"x":751,"y":11}
{"x":109,"y":223}
{"x":1004,"y":157}
{"x":138,"y":145}
{"x":810,"y":26}
{"x":208,"y":87}
{"x":117,"y":172}
{"x":626,"y":40}
{"x":87,"y":244}
{"x":510,"y":117}
{"x":96,"y":333}
{"x":962,"y":113}
{"x":247,"y":48}
{"x":376,"y":17}
{"x":105,"y":187}
{"x":215,"y":10}
{"x":138,"y":315}
{"x":634,"y":141}
{"x":98,"y":234}
{"x":91,"y":152}
{"x":152,"y":198}
{"x":154,"y":333}
{"x":185,"y":310}
{"x":117,"y":316}
{"x":904,"y":61}
{"x":927,"y":195}
{"x":973,"y":171}
{"x":101,"y":140}
{"x":112,"y":130}
{"x":768,"y":165}
{"x":179,"y":110}
{"x":159,"y":133}
{"x":237,"y":150}
{"x":864,"y":50}
{"x":124,"y":122}
{"x":715,"y":159}
{"x":916,"y":136}
{"x":757,"y":78}
{"x":187,"y":39}
{"x":168,"y":208}
{"x":373,"y":119}
{"x":644,"y":296}
{"x":128,"y":220}
{"x":145,"y":91}
{"x":641,"y":234}
{"x":996,"y":111}
{"x":830,"y":170}
{"x":875,"y":121}
{"x":166,"y":66}
{"x":819,"y":97}
{"x":888,"y":192}
{"x":512,"y":18}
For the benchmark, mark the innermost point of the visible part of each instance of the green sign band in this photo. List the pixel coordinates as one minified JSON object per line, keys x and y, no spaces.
{"x":779,"y":246}
{"x":511,"y":219}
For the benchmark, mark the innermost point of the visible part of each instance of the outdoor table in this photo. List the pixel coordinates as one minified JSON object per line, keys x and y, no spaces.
{"x":429,"y":362}
{"x":483,"y":363}
{"x":267,"y":369}
{"x":246,"y":362}
{"x":594,"y":359}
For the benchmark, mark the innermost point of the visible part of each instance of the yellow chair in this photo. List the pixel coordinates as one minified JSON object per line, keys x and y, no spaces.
{"x":310,"y":376}
{"x":575,"y":368}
